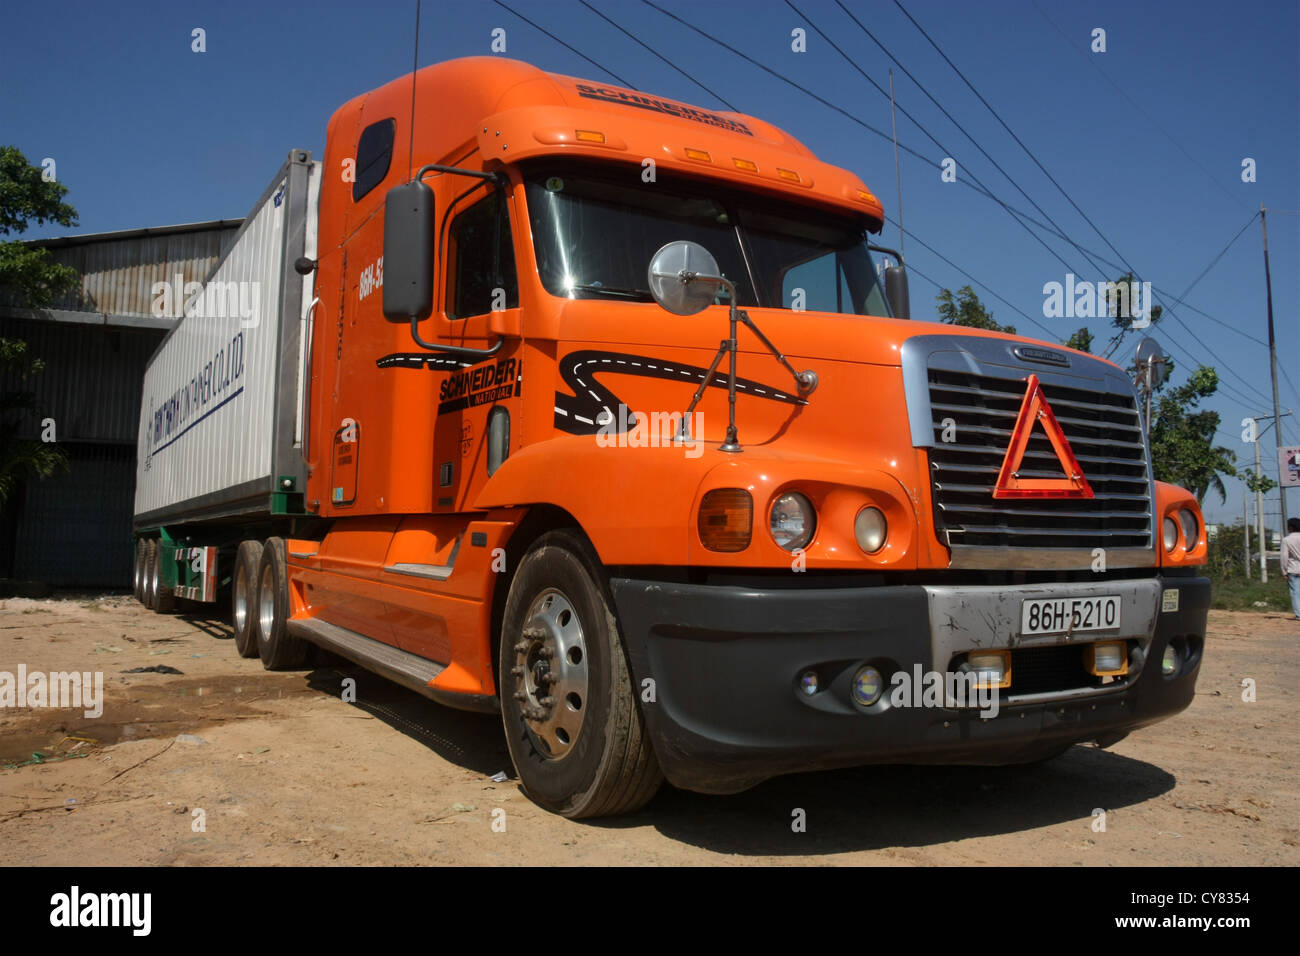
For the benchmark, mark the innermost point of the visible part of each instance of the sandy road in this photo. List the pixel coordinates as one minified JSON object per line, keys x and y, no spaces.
{"x":284,"y":771}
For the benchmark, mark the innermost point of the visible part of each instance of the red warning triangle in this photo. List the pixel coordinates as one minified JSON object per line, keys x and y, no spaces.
{"x":1033,"y":409}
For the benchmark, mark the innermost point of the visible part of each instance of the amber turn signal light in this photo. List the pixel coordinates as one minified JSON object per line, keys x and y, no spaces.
{"x":726,"y":519}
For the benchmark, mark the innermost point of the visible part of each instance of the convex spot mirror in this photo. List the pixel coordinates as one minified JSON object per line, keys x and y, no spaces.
{"x":1151,"y":356}
{"x":683,"y":277}
{"x":408,"y":252}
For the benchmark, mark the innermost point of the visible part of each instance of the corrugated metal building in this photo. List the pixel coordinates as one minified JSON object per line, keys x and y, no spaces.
{"x":73,"y":529}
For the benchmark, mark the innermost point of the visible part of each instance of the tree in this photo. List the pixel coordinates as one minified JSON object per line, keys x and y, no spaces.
{"x":20,"y":457}
{"x":1081,"y":340}
{"x":1182,"y":439}
{"x":966,"y":309}
{"x":1257,"y":481}
{"x":27,"y":196}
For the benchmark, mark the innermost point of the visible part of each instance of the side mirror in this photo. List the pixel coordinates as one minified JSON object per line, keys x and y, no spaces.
{"x":683,"y":277}
{"x":408,"y":252}
{"x":895,"y":291}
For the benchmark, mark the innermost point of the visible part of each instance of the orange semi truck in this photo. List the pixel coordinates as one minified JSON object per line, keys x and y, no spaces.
{"x":592,"y":408}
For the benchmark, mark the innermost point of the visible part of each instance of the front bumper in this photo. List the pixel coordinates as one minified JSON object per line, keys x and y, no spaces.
{"x":724,"y":709}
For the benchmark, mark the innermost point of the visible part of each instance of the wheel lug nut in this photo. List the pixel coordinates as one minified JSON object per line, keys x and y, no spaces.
{"x":517,"y":670}
{"x":535,"y":632}
{"x":520,"y":695}
{"x":522,"y":646}
{"x":547,"y":701}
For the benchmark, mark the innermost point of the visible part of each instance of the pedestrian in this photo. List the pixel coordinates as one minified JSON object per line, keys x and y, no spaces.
{"x":1291,"y":562}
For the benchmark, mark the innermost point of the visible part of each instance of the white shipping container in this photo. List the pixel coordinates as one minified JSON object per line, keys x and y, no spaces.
{"x":219,"y":431}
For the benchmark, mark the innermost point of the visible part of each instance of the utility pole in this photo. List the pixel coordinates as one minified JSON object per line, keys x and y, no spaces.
{"x":1259,"y":516}
{"x":1272,"y":360}
{"x":1245,"y":525}
{"x":1259,"y":494}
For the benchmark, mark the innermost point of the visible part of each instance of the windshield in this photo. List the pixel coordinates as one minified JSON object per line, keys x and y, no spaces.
{"x":595,"y":230}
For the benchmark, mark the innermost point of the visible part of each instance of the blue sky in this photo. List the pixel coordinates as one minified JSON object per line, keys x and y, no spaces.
{"x":1147,"y":138}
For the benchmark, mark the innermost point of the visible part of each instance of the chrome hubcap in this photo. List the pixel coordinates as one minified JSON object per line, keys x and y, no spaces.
{"x":266,"y":604}
{"x":551,"y":673}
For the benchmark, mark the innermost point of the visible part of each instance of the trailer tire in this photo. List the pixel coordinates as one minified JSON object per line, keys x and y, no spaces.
{"x":568,"y":702}
{"x":161,"y":600}
{"x":147,"y":584}
{"x":278,"y":648}
{"x":138,"y":575}
{"x":243,"y":598}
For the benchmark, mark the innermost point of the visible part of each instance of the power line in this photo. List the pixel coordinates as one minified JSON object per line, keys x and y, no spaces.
{"x":1019,"y":142}
{"x":1150,"y":119}
{"x":571,"y":49}
{"x":635,"y":39}
{"x":932,"y":138}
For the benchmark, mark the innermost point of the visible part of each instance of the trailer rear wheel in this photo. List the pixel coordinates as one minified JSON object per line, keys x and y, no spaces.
{"x":276,"y":646}
{"x":243,"y":598}
{"x":567,"y":700}
{"x":138,"y":578}
{"x":148,"y":581}
{"x":161,"y":598}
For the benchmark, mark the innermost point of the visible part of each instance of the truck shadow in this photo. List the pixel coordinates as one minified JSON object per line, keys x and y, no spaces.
{"x":873,"y":808}
{"x":470,"y":740}
{"x":862,"y":808}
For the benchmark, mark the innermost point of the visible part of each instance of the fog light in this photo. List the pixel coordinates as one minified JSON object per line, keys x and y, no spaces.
{"x":870,"y":528}
{"x":808,"y":683}
{"x":1107,"y":659}
{"x":1169,"y":662}
{"x":1171,"y":533}
{"x":868,"y":685}
{"x":992,"y":668}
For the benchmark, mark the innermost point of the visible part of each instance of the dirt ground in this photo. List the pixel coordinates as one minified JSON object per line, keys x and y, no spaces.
{"x":283,"y":771}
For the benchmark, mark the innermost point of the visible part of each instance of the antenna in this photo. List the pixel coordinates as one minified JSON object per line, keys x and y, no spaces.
{"x":898,"y":173}
{"x":415,"y":66}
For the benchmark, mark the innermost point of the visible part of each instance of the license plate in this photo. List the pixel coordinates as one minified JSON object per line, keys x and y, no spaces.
{"x":1069,"y":615}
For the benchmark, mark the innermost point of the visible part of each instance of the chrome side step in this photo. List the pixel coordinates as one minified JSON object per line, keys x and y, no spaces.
{"x":436,"y":572}
{"x":399,"y":666}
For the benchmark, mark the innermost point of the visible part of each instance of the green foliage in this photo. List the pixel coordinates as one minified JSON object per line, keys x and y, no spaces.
{"x":25,"y":197}
{"x":966,"y":309}
{"x":1182,"y":439}
{"x":31,"y":275}
{"x":1081,"y":340}
{"x":21,"y":457}
{"x":1257,"y":481}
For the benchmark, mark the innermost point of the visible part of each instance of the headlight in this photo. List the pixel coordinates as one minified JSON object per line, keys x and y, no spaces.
{"x":870,"y":528}
{"x":793,"y":520}
{"x":1171,"y":533}
{"x":1191,"y":527}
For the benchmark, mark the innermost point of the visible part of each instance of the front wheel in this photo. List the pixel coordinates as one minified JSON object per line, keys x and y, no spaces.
{"x":567,"y":699}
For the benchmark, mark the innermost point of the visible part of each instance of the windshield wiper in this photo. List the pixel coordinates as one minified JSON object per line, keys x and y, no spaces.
{"x":642,"y":295}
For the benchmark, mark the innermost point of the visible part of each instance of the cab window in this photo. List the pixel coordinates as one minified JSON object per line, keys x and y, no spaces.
{"x":481,"y":274}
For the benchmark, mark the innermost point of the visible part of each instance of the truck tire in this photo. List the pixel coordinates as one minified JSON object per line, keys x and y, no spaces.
{"x":243,"y":598}
{"x":275,"y":645}
{"x":568,"y":704}
{"x":147,"y":584}
{"x":161,"y":599}
{"x":138,"y":576}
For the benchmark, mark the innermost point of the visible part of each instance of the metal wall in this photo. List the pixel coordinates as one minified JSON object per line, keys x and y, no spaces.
{"x":73,"y":529}
{"x":119,"y":270}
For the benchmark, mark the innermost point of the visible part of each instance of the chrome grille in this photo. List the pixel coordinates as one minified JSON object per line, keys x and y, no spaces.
{"x":1105,"y":433}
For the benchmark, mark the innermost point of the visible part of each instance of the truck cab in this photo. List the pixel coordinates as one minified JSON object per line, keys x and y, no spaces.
{"x":710,"y":542}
